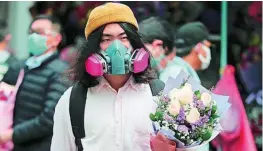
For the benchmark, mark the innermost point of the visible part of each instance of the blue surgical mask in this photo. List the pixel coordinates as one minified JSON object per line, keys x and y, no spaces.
{"x":156,"y":63}
{"x":37,"y":44}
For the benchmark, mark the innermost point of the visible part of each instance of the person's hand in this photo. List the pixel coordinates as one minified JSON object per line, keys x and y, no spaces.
{"x":161,"y":143}
{"x":6,"y":136}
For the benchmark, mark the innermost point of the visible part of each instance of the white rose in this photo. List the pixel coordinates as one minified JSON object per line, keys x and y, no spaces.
{"x":186,"y":94}
{"x":174,"y":107}
{"x":174,"y":94}
{"x":193,"y":116}
{"x":206,"y":98}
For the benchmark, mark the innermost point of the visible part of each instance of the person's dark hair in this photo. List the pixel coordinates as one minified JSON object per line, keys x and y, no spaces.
{"x":3,"y":29}
{"x":157,"y":28}
{"x":52,"y":19}
{"x":92,"y":45}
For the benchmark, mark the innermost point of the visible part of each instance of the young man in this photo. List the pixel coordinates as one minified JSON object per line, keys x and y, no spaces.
{"x":192,"y":50}
{"x":112,"y":75}
{"x":192,"y":45}
{"x":40,"y":90}
{"x":158,"y":38}
{"x":157,"y":34}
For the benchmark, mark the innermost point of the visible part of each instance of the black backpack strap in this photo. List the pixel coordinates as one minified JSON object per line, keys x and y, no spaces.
{"x":76,"y":111}
{"x":156,"y":86}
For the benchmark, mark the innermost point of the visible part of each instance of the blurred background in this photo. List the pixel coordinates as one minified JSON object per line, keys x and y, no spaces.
{"x":243,"y":24}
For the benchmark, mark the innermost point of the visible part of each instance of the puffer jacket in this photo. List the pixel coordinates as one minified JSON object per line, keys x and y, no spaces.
{"x":35,"y":103}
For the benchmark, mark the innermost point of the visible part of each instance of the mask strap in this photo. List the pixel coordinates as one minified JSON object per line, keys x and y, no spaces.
{"x":128,"y":54}
{"x":105,"y":56}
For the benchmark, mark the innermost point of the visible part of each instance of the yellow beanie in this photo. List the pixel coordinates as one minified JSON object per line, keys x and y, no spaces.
{"x":109,"y":13}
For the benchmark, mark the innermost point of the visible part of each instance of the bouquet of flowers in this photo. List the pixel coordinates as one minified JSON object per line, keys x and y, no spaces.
{"x":187,"y":113}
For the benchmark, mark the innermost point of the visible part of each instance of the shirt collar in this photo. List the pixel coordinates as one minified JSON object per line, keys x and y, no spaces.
{"x":130,"y":83}
{"x":34,"y":62}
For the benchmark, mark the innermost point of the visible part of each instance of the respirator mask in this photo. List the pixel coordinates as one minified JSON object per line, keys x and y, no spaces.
{"x":117,"y":60}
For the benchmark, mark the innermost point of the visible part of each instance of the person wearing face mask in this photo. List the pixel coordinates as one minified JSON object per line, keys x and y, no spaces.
{"x":5,"y":52}
{"x":40,"y":90}
{"x":108,"y":107}
{"x":158,"y":38}
{"x":157,"y":35}
{"x":192,"y":45}
{"x":192,"y":50}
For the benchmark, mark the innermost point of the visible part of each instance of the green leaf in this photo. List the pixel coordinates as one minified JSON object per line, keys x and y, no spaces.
{"x":214,"y":108}
{"x":198,"y":94}
{"x":215,"y":116}
{"x":211,"y":120}
{"x":182,"y":86}
{"x":206,"y":135}
{"x":207,"y":109}
{"x":152,"y":117}
{"x":159,"y":115}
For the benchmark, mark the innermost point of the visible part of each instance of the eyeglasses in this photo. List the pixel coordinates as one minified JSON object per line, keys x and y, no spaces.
{"x":42,"y":32}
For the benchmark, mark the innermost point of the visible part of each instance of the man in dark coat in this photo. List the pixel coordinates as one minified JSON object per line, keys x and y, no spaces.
{"x":40,"y":90}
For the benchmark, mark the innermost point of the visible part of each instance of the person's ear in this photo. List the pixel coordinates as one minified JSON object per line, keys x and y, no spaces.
{"x":157,"y":43}
{"x":207,"y":43}
{"x":174,"y":51}
{"x":57,"y":39}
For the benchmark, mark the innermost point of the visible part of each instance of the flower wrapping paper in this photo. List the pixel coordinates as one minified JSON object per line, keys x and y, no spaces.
{"x":221,"y":103}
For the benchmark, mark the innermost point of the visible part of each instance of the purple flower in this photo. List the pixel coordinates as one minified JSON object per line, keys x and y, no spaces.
{"x":182,"y":129}
{"x":181,"y":115}
{"x":199,"y":104}
{"x":195,"y":98}
{"x":168,"y":118}
{"x":205,"y":119}
{"x":199,"y":123}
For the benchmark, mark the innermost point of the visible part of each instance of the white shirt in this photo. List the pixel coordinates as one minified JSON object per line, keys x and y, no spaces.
{"x":114,"y":121}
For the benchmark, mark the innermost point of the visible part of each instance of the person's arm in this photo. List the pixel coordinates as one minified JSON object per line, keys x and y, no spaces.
{"x":41,"y":126}
{"x":63,"y":138}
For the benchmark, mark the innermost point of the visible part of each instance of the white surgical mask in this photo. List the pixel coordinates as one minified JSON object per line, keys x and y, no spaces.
{"x":205,"y":60}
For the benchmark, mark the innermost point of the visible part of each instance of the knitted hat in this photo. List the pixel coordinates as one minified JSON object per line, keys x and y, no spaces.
{"x":109,"y":13}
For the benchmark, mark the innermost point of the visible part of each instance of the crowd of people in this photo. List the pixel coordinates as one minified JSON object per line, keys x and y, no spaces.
{"x":79,"y":89}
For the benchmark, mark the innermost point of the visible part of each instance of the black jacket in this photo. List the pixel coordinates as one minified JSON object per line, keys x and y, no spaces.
{"x":36,"y":99}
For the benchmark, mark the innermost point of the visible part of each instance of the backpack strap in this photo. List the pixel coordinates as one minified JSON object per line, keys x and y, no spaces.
{"x":77,"y":108}
{"x":76,"y":111}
